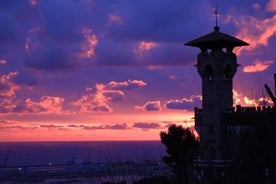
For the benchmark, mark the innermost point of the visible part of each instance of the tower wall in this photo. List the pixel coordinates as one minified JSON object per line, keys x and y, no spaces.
{"x":217,"y":69}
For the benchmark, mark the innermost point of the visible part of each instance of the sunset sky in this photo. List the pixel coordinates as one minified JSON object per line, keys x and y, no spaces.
{"x":118,"y":69}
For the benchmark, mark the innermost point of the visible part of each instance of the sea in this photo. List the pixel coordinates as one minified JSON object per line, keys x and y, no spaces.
{"x":82,"y":162}
{"x":48,"y":153}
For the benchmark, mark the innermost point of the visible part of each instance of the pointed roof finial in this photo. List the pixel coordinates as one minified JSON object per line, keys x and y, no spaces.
{"x":216,"y":14}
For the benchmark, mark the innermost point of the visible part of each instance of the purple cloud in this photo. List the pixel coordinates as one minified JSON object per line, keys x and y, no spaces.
{"x":114,"y":96}
{"x":73,"y":126}
{"x":103,"y":127}
{"x":17,"y":127}
{"x":150,"y":106}
{"x":51,"y":126}
{"x":145,"y":125}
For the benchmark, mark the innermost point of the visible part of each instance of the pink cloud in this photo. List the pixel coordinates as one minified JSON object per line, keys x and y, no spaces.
{"x":255,"y":31}
{"x":241,"y":99}
{"x":126,"y":85}
{"x":144,"y":46}
{"x":257,"y":66}
{"x":98,"y":98}
{"x":154,"y":67}
{"x":92,"y":103}
{"x":150,"y":106}
{"x":172,"y":77}
{"x":271,"y":6}
{"x":47,"y":104}
{"x":95,"y":100}
{"x":3,"y":62}
{"x":185,"y":103}
{"x":7,"y":92}
{"x":33,"y":2}
{"x":88,"y":46}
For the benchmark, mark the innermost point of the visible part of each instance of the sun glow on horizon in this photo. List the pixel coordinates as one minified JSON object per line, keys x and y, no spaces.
{"x":142,"y":126}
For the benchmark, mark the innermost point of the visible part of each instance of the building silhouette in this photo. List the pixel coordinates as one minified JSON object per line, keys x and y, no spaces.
{"x":237,"y":144}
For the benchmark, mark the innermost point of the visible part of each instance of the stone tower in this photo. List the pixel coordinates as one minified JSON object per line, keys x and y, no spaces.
{"x":216,"y":65}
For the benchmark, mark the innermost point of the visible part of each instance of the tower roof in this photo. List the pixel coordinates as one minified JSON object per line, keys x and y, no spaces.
{"x":216,"y":39}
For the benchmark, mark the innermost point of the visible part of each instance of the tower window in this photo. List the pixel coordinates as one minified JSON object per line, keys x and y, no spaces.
{"x":227,"y":72}
{"x":209,"y":72}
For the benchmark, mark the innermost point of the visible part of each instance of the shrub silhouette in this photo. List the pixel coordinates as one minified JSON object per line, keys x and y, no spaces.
{"x":180,"y":144}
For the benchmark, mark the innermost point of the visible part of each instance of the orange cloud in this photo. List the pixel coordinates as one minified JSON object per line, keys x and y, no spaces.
{"x":257,"y":66}
{"x":271,"y":6}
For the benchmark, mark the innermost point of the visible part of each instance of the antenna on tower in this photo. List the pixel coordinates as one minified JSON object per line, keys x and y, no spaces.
{"x":216,"y":14}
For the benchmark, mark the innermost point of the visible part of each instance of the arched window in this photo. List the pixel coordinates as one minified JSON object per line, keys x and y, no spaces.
{"x":209,"y":72}
{"x":227,"y":72}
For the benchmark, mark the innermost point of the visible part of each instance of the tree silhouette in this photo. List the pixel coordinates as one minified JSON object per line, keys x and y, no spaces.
{"x":181,"y":143}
